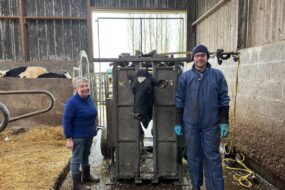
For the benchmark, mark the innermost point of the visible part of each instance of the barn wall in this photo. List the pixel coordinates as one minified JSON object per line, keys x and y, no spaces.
{"x":220,"y":29}
{"x":9,"y":31}
{"x":256,"y":28}
{"x":58,"y":37}
{"x":260,"y":125}
{"x":238,"y":24}
{"x":140,"y":4}
{"x":21,"y":104}
{"x":266,"y":22}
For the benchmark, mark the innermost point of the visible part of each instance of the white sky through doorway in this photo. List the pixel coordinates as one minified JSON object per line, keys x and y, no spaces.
{"x":115,"y":33}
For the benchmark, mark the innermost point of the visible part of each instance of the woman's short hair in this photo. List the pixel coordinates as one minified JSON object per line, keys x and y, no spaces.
{"x":77,"y":80}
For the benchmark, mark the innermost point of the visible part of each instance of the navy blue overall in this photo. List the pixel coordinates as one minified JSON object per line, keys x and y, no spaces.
{"x":200,"y":95}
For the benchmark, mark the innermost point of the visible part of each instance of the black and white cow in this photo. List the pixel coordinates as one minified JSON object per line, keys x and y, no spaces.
{"x":54,"y":75}
{"x":31,"y":72}
{"x":25,"y":72}
{"x":142,"y":85}
{"x":143,"y":90}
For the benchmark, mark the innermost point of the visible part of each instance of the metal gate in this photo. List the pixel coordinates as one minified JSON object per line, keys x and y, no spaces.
{"x":99,"y":85}
{"x":166,"y":147}
{"x":99,"y":89}
{"x":123,"y":134}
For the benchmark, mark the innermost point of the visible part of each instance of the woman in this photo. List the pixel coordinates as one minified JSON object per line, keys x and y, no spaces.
{"x":79,"y":123}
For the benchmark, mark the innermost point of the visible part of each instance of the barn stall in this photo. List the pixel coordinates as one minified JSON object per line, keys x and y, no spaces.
{"x":33,"y":33}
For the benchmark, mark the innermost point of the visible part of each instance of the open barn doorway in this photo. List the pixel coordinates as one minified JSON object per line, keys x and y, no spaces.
{"x":125,"y":32}
{"x":115,"y":32}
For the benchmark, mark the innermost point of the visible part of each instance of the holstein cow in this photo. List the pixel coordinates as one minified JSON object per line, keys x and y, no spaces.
{"x":32,"y":72}
{"x":26,"y":72}
{"x":142,"y":85}
{"x":55,"y":75}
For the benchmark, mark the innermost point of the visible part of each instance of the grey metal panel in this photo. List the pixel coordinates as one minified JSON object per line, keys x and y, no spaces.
{"x":165,"y":140}
{"x":165,"y":123}
{"x":128,"y":128}
{"x":127,"y":160}
{"x":166,"y":95}
{"x":125,"y":96}
{"x":167,"y":162}
{"x":111,"y":124}
{"x":127,"y":143}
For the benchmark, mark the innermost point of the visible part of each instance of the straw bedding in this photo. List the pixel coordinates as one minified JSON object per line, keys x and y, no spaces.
{"x":32,"y":160}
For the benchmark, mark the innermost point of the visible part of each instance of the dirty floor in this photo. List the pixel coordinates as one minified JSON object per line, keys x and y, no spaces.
{"x":100,"y":168}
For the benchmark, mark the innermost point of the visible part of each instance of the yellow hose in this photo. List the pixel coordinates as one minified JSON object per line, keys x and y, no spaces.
{"x":242,"y":179}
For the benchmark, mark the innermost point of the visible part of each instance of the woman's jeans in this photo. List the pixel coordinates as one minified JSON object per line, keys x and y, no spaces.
{"x":80,"y":153}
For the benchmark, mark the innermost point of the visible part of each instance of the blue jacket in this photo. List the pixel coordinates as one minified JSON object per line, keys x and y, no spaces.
{"x":79,"y":117}
{"x":200,"y":95}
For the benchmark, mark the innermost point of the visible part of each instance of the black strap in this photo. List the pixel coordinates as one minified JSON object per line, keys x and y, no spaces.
{"x":224,"y":114}
{"x":179,"y":116}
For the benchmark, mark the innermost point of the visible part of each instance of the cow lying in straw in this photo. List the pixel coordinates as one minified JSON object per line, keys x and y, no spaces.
{"x":32,"y":72}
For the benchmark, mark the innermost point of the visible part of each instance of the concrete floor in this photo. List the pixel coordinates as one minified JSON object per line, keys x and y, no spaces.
{"x":99,"y":167}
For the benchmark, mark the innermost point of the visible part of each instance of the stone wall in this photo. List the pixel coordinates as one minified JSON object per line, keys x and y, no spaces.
{"x":260,"y":129}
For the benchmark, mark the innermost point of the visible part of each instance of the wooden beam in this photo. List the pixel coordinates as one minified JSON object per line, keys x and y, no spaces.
{"x":242,"y":23}
{"x":209,"y":12}
{"x":89,"y":36}
{"x":9,"y":17}
{"x":23,"y":32}
{"x":191,"y":30}
{"x":54,"y":18}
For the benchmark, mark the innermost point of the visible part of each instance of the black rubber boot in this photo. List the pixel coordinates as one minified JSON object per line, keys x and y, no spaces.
{"x":77,"y":185}
{"x":87,"y":177}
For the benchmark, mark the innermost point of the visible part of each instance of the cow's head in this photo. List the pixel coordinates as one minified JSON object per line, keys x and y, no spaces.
{"x":142,"y":85}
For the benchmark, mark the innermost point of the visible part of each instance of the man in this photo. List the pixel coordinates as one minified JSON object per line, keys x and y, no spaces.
{"x":202,"y":114}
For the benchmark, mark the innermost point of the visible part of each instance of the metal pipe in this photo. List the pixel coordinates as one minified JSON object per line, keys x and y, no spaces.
{"x":209,"y":12}
{"x":137,"y":18}
{"x":30,"y":92}
{"x":143,"y":59}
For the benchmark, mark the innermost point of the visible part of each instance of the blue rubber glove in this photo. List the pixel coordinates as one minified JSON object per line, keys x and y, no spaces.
{"x":225,"y":129}
{"x":178,"y":130}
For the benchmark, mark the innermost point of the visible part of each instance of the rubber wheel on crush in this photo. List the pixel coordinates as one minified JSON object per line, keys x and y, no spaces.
{"x":6,"y":117}
{"x":103,"y":144}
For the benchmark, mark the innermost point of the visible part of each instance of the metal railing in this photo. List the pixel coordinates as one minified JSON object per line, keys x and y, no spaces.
{"x":5,"y":111}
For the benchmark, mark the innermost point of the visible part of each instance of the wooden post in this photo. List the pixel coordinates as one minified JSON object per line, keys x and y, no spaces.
{"x":191,"y":30}
{"x":89,"y":36}
{"x":22,"y":23}
{"x":242,"y":24}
